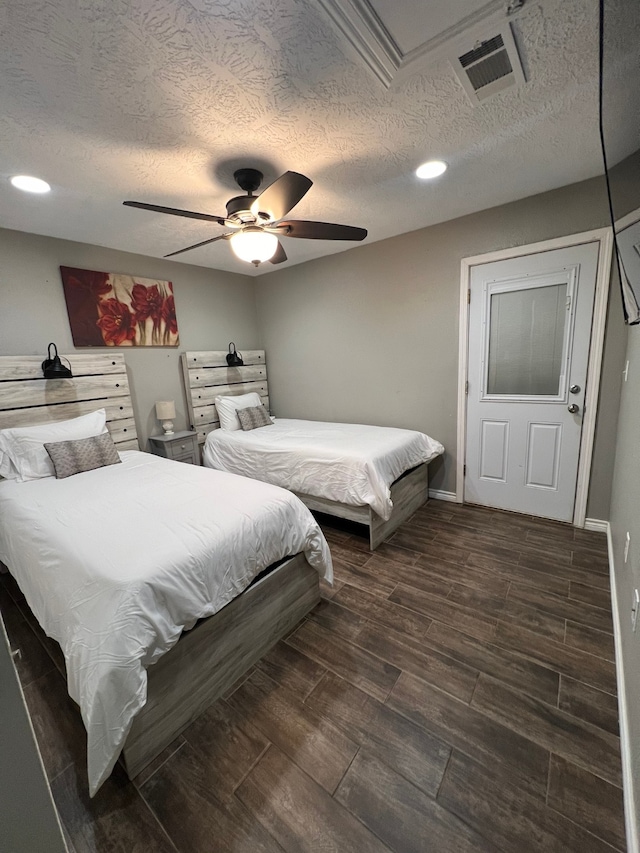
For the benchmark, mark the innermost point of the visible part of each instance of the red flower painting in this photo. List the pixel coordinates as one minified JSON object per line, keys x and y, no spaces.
{"x":116,"y":322}
{"x":114,"y":310}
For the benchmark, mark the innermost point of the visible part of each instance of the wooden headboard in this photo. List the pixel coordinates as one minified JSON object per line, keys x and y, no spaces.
{"x":207,"y":375}
{"x":99,"y":382}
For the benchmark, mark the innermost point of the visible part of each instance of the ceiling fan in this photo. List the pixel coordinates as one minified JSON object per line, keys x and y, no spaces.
{"x":256,"y":223}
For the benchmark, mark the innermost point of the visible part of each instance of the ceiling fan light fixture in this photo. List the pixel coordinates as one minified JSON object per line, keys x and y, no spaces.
{"x":254,"y":245}
{"x":431,"y":169}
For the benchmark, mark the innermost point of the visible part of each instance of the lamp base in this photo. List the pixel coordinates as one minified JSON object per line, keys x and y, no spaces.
{"x":167,"y":426}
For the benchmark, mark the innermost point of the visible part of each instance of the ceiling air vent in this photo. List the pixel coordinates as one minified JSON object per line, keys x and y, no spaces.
{"x":490,"y":66}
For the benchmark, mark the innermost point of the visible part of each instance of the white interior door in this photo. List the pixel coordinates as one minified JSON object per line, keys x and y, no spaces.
{"x":529,"y":332}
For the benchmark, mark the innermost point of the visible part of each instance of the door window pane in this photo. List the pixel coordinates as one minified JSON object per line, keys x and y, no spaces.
{"x":526,"y":340}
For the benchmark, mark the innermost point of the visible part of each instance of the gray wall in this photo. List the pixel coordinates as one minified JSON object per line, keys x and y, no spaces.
{"x":371,"y":335}
{"x":625,"y":516}
{"x":213,"y":308}
{"x":625,"y":502}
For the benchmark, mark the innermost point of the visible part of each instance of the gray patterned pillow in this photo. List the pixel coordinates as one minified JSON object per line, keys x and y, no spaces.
{"x":253,"y":417}
{"x":85,"y":454}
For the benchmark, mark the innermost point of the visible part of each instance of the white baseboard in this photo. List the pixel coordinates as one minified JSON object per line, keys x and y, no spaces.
{"x":596,"y":524}
{"x":439,"y":495}
{"x":631,"y":824}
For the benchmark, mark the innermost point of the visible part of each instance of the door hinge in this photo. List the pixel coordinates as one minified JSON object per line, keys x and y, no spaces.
{"x":466,"y":387}
{"x":468,"y":296}
{"x":464,"y":470}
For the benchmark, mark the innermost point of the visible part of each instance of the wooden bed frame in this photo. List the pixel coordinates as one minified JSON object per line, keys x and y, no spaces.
{"x":207,"y":660}
{"x":206,"y":375}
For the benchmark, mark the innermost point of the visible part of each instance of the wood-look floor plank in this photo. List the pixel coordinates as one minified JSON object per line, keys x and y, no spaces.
{"x":228,"y":744}
{"x":342,"y":553}
{"x":298,"y":813}
{"x":291,"y":669}
{"x":414,"y":533}
{"x":536,"y":554}
{"x":404,"y":817}
{"x":551,"y":728}
{"x":590,"y":595}
{"x":314,"y":743}
{"x":509,"y":610}
{"x":418,"y":658}
{"x":363,"y":578}
{"x":388,"y":551}
{"x":417,"y":576}
{"x":592,"y":561}
{"x":382,"y":612}
{"x":158,"y":761}
{"x":443,"y":610}
{"x":439,"y":551}
{"x":590,"y":640}
{"x":515,"y":571}
{"x":466,"y":729}
{"x":588,"y":703}
{"x":359,"y":667}
{"x":405,"y":747}
{"x":591,"y":540}
{"x":116,"y":819}
{"x":575,"y":663}
{"x":485,"y":544}
{"x":338,"y":619}
{"x":587,"y":800}
{"x":57,"y":723}
{"x":594,"y":617}
{"x":541,"y":566}
{"x":500,"y":663}
{"x":468,"y":574}
{"x":182,"y":796}
{"x":484,"y":799}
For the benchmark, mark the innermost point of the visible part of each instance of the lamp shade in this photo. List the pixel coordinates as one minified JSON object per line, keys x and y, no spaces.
{"x":254,"y":245}
{"x":53,"y":368}
{"x":165,"y":410}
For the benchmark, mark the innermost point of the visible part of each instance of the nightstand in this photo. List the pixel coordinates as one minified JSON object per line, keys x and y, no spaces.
{"x":180,"y":446}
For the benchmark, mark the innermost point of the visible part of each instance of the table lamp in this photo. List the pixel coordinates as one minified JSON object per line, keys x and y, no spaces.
{"x":166,"y":412}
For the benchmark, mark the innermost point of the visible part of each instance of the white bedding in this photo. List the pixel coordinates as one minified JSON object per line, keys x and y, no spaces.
{"x":116,"y":562}
{"x":349,"y":463}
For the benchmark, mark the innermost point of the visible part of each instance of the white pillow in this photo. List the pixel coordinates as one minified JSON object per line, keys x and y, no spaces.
{"x":227,"y":407}
{"x":22,"y":453}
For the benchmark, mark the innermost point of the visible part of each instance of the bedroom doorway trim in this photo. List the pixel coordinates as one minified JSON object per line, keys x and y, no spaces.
{"x":603,"y":236}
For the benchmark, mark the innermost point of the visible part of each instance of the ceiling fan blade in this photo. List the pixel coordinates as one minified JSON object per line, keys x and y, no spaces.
{"x":206,"y":217}
{"x":283,"y":194}
{"x":319,"y":230}
{"x":197,"y":245}
{"x":280,"y":255}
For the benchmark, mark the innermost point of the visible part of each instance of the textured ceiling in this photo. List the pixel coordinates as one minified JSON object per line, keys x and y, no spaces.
{"x":160,"y":100}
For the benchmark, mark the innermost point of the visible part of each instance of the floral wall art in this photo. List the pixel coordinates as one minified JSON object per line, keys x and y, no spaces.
{"x":114,"y":310}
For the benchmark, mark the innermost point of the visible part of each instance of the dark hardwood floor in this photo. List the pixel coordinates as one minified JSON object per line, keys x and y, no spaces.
{"x":454,"y":691}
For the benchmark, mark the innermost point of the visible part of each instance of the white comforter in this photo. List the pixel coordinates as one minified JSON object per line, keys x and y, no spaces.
{"x":116,"y":563}
{"x":349,"y":463}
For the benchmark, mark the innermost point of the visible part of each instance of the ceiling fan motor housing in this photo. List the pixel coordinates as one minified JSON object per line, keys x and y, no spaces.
{"x":238,"y":206}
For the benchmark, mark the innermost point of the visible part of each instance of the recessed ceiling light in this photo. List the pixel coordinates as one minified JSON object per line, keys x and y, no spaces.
{"x":29,"y":184}
{"x":431,"y":169}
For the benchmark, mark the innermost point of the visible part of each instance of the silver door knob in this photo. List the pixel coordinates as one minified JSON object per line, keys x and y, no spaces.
{"x":574,"y":408}
{"x":575,"y":389}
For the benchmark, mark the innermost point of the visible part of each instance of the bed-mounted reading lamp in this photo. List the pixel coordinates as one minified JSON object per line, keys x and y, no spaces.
{"x":234,"y":358}
{"x":166,"y":412}
{"x":53,"y":368}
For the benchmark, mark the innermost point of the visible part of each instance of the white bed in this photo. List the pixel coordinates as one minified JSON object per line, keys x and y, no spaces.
{"x":351,"y":464}
{"x":115,"y":563}
{"x":375,"y":476}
